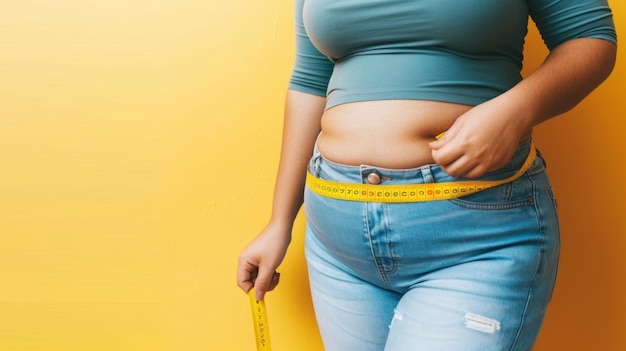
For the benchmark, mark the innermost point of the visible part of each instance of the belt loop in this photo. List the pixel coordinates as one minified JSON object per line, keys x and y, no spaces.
{"x":427,"y":174}
{"x":316,"y":159}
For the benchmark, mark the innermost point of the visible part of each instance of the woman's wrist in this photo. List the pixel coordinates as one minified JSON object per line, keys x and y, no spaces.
{"x":281,"y":224}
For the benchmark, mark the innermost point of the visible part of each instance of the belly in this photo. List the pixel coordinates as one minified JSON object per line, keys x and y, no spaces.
{"x":386,"y":133}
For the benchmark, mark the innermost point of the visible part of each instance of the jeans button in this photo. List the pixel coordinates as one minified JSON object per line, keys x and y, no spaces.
{"x":373,"y":178}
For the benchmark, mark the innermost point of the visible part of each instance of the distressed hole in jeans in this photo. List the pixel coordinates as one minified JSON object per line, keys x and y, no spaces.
{"x":480,"y":323}
{"x":397,"y":316}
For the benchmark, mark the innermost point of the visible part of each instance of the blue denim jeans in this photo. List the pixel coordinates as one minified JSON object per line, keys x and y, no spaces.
{"x":470,"y":274}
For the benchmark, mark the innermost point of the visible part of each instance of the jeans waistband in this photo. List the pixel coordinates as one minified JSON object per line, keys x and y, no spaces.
{"x":323,"y":168}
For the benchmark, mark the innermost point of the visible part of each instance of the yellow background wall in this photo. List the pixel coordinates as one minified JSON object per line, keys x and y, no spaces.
{"x":138,"y":146}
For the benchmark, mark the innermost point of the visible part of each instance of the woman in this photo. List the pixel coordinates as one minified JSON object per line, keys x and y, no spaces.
{"x":374,"y":83}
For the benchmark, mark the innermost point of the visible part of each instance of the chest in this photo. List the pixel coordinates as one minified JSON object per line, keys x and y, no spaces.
{"x":339,"y":28}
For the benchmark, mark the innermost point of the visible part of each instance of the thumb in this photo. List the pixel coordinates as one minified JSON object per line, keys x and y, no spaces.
{"x":439,"y":142}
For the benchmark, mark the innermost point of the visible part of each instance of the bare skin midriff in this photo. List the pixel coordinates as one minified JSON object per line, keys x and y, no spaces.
{"x":385,"y":133}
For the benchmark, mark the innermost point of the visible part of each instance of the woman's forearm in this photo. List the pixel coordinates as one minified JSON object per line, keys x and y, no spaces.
{"x":301,"y":127}
{"x":570,"y":72}
{"x":484,"y":138}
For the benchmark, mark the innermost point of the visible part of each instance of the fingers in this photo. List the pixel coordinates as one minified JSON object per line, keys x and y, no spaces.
{"x":275,"y":281}
{"x":259,"y":260}
{"x":440,"y":140}
{"x":473,"y":163}
{"x":465,"y":169}
{"x":451,"y":155}
{"x":266,"y":281}
{"x":457,"y":166}
{"x":463,"y":160}
{"x":249,"y":275}
{"x":451,"y":158}
{"x":246,"y":275}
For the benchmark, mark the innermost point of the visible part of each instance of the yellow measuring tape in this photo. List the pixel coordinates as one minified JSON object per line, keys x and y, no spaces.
{"x":409,"y":192}
{"x":261,"y":327}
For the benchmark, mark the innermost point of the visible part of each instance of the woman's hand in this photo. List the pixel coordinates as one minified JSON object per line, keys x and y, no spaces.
{"x":483,"y":139}
{"x":260,"y":259}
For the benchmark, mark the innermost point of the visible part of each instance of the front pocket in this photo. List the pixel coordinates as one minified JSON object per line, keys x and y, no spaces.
{"x":517,"y":193}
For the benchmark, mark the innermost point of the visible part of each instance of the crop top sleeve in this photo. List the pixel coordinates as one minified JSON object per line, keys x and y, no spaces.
{"x":562,"y":20}
{"x":456,"y":51}
{"x":312,"y":69}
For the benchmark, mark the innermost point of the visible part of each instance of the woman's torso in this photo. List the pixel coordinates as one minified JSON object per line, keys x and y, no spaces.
{"x":404,"y":71}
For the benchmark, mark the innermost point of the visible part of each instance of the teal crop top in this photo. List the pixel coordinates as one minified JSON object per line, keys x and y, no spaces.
{"x":459,"y":51}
